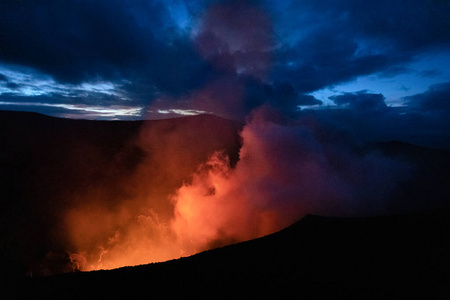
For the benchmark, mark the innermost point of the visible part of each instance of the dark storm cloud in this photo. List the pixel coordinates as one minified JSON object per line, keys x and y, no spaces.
{"x":408,"y":26}
{"x":435,"y":99}
{"x":341,"y":40}
{"x":275,"y":51}
{"x":362,"y":101}
{"x":236,"y":37}
{"x":365,"y":117}
{"x":76,"y":41}
{"x":285,"y":95}
{"x":72,"y":40}
{"x":323,"y":59}
{"x":411,"y":25}
{"x":136,"y":45}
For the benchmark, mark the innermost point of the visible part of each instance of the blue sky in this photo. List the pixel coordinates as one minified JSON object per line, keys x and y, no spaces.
{"x":156,"y":59}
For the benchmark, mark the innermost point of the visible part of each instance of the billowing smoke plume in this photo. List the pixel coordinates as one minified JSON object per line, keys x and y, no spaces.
{"x":285,"y":171}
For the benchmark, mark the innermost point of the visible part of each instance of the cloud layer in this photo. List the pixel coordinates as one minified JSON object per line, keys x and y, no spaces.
{"x":159,"y":53}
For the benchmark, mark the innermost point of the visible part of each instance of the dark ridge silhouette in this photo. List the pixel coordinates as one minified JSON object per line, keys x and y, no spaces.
{"x":392,"y":257}
{"x":428,"y":185}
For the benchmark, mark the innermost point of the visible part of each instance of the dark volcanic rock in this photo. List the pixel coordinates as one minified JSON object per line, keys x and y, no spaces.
{"x":381,"y":257}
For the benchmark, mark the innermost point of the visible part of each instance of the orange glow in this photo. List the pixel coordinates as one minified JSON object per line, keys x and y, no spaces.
{"x":208,"y":211}
{"x":217,"y":206}
{"x":283,"y":173}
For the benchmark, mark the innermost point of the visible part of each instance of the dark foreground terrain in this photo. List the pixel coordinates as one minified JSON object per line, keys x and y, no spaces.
{"x":396,"y":257}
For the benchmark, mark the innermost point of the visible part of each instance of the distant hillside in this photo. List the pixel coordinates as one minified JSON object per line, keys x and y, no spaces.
{"x":395,"y":257}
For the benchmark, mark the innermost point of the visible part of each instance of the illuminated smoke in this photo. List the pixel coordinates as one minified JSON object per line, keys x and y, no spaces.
{"x":284,"y":172}
{"x":127,"y":221}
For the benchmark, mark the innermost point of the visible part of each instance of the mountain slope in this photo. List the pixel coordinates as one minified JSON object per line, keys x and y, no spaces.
{"x":380,"y":257}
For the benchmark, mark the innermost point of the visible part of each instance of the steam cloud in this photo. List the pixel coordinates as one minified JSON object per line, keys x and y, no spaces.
{"x":284,"y":172}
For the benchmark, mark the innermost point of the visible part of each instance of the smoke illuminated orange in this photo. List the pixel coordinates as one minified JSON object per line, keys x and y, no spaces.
{"x":219,"y":205}
{"x":283,"y":173}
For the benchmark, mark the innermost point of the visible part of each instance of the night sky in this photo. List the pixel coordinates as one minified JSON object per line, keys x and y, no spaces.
{"x":150,"y":59}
